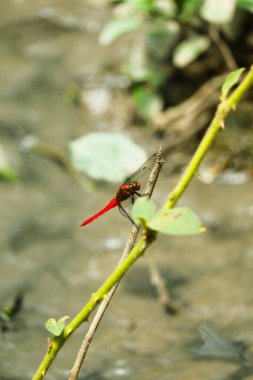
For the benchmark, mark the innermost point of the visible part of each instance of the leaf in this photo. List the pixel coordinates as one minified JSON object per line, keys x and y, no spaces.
{"x":218,"y":12}
{"x":188,"y":50}
{"x":119,"y":27}
{"x":189,"y":9}
{"x":56,"y":327}
{"x":143,"y":210}
{"x":147,"y":102}
{"x":106,"y":156}
{"x":178,"y":221}
{"x":230,"y":81}
{"x":8,"y":174}
{"x":142,"y":5}
{"x":245,"y":4}
{"x":160,"y":39}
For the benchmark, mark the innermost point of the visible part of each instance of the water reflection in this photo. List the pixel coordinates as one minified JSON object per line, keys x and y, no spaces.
{"x":217,"y":345}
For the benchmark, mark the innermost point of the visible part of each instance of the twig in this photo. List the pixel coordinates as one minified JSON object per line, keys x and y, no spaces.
{"x":60,"y":158}
{"x":105,"y":303}
{"x":223,"y":47}
{"x":181,"y":122}
{"x":160,"y":285}
{"x":195,"y":104}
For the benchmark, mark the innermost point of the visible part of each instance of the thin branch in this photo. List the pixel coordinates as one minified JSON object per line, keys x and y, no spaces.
{"x":174,"y":118}
{"x":160,"y":285}
{"x":105,"y":303}
{"x":223,"y":47}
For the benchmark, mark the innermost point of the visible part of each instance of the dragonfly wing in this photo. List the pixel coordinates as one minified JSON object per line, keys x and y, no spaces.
{"x":143,"y":172}
{"x":141,"y":175}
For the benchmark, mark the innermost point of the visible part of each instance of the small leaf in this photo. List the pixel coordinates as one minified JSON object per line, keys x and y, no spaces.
{"x":178,"y":221}
{"x":188,"y":50}
{"x":56,"y":327}
{"x":218,"y":12}
{"x":245,"y":4}
{"x":118,"y":27}
{"x":143,"y":210}
{"x":230,"y":81}
{"x":141,"y":5}
{"x":189,"y":9}
{"x":8,"y":174}
{"x":161,"y":39}
{"x":147,"y":102}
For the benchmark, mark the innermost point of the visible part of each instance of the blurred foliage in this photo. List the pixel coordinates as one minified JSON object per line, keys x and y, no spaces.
{"x":7,"y":173}
{"x":10,"y":310}
{"x":171,"y":37}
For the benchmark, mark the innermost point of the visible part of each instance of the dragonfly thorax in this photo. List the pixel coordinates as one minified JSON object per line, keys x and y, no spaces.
{"x":128,"y":190}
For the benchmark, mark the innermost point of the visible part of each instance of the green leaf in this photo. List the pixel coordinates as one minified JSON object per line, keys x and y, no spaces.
{"x":230,"y":81}
{"x":8,"y":174}
{"x":245,"y":4}
{"x":218,"y":12}
{"x":143,"y":210}
{"x":189,"y":9}
{"x":178,"y":221}
{"x":119,"y":27}
{"x":142,"y":5}
{"x":147,"y":102}
{"x":188,"y":50}
{"x":106,"y":156}
{"x":56,"y":327}
{"x":161,"y":39}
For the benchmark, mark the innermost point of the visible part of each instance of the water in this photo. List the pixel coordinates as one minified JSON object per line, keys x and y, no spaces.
{"x":58,"y":266}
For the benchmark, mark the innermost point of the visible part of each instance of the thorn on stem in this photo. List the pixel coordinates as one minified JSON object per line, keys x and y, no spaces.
{"x":49,"y":344}
{"x":222,"y":124}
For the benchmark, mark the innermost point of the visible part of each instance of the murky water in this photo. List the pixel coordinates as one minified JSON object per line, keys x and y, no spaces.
{"x":44,"y":47}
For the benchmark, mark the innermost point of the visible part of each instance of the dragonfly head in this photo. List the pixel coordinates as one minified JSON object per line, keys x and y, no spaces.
{"x":136,"y":185}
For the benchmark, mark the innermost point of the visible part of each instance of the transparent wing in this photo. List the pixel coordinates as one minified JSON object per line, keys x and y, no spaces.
{"x":141,"y":175}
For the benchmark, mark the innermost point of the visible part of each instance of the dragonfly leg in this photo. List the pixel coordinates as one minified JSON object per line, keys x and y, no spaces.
{"x":124,"y":213}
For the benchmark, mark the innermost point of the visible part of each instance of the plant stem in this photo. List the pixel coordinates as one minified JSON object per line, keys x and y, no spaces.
{"x":107,"y":298}
{"x":57,"y":342}
{"x":217,"y":123}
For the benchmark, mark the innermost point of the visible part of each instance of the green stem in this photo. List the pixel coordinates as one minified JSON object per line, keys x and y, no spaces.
{"x":57,"y":342}
{"x":217,"y":123}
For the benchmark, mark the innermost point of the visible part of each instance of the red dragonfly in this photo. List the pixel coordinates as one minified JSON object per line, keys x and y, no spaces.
{"x":128,"y":190}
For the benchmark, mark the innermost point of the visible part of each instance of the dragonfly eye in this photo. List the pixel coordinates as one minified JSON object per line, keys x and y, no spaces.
{"x":136,"y":185}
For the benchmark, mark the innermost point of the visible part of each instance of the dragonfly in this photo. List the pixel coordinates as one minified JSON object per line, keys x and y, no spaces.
{"x":129,"y":190}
